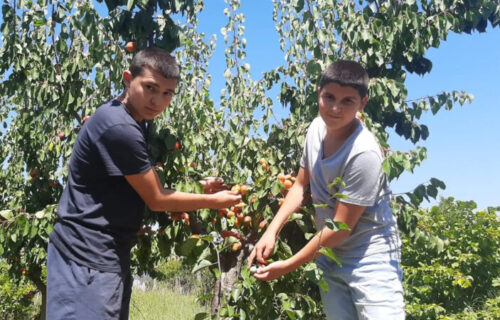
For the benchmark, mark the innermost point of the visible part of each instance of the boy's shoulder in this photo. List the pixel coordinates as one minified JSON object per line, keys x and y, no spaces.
{"x":365,"y":141}
{"x":112,"y":118}
{"x":317,"y":127}
{"x":113,"y":110}
{"x":112,"y":113}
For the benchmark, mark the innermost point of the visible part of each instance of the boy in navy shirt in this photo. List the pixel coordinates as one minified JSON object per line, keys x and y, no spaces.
{"x":110,"y":181}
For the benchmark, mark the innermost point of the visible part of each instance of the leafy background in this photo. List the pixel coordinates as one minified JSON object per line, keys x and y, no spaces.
{"x":60,"y":58}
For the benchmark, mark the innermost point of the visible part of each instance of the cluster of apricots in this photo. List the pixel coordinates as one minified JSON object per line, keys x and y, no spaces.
{"x":34,"y":173}
{"x":287,"y":180}
{"x":130,"y":46}
{"x":264,"y":164}
{"x":238,"y":218}
{"x":176,"y":216}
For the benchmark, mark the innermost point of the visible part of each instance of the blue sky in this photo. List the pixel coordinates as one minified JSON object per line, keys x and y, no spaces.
{"x":464,"y":143}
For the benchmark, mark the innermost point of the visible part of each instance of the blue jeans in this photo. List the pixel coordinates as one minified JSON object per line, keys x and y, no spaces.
{"x":363,"y":288}
{"x":80,"y":293}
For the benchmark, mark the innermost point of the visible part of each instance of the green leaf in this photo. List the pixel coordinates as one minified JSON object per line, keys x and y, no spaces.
{"x":438,"y":183}
{"x":336,"y":225}
{"x":323,"y":285}
{"x":40,"y":214}
{"x":205,"y":254}
{"x":207,"y":238}
{"x":386,"y":166}
{"x":337,"y":181}
{"x":201,"y":264}
{"x":432,"y":191}
{"x":188,"y":246}
{"x":299,"y":5}
{"x":276,"y":188}
{"x":324,"y":205}
{"x":40,"y":22}
{"x":130,"y":4}
{"x":6,"y":214}
{"x":295,"y":216}
{"x":34,"y":231}
{"x":202,"y":316}
{"x":329,"y":253}
{"x":340,"y":196}
{"x":26,"y":229}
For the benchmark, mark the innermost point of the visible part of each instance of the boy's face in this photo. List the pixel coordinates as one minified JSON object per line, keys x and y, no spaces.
{"x":338,"y":105}
{"x":148,"y":94}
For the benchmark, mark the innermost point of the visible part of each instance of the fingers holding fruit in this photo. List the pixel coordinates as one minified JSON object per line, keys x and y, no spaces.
{"x":213,"y":185}
{"x":225,"y":199}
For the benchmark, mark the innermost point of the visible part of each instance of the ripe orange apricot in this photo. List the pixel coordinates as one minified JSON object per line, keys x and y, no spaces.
{"x":230,"y":214}
{"x":288,"y":184}
{"x":243,"y":189}
{"x":281,"y":177}
{"x":130,"y":46}
{"x":236,"y":246}
{"x":247,"y":221}
{"x":262,"y":224}
{"x":237,"y":223}
{"x":222,"y":213}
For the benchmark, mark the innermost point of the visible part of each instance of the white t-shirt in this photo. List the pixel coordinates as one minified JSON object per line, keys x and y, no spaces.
{"x":359,"y":164}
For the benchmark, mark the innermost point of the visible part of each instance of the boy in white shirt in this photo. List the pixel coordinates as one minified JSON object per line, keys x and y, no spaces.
{"x":368,"y":284}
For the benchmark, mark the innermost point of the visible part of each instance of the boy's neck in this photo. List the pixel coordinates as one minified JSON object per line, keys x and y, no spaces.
{"x":341,"y":134}
{"x":334,"y":139}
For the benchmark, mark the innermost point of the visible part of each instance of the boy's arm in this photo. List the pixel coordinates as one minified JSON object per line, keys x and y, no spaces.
{"x":148,"y":186}
{"x":345,"y":212}
{"x":293,"y":201}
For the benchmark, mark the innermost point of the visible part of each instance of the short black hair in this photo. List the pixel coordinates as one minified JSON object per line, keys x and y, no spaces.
{"x":157,"y":60}
{"x":346,"y":73}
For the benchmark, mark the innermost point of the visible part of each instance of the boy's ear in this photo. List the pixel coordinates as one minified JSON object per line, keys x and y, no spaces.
{"x":363,"y":102}
{"x":127,"y":78}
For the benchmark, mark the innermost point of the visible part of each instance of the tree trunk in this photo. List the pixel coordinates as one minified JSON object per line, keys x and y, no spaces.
{"x":231,"y":264}
{"x":231,"y":267}
{"x":40,"y":285}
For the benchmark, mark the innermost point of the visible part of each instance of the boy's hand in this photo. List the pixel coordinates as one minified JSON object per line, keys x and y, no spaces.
{"x":273,"y":271}
{"x":224,"y":199}
{"x":213,"y":185}
{"x":262,"y":249}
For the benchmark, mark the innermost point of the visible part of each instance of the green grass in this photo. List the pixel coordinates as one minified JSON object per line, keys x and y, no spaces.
{"x":163,"y":303}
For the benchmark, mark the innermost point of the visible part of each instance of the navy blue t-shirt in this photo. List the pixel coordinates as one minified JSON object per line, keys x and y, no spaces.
{"x":99,"y":211}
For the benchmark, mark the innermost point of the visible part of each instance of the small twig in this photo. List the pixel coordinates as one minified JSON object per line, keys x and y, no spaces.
{"x":56,"y":54}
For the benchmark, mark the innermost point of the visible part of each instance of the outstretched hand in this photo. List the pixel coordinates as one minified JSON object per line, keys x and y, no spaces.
{"x":224,"y":199}
{"x":213,"y":185}
{"x":263,"y":249}
{"x":273,"y":270}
